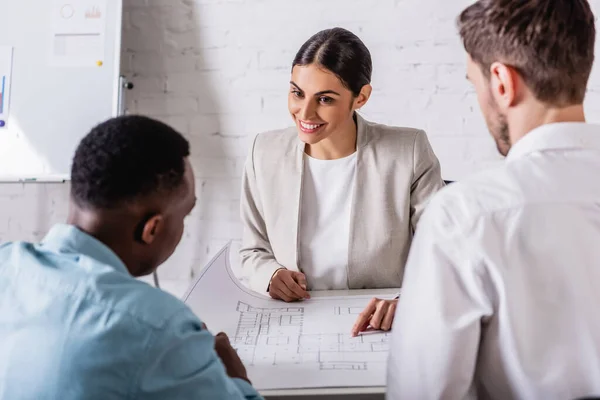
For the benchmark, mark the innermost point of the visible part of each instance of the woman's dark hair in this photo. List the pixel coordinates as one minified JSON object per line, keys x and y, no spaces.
{"x":341,"y":52}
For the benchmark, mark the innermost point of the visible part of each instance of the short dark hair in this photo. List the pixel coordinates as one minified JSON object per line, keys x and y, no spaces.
{"x":125,"y":159}
{"x":341,"y":52}
{"x":549,"y":42}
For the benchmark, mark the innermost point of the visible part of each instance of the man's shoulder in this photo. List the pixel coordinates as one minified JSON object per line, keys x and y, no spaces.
{"x":482,"y":193}
{"x":15,"y":252}
{"x":87,"y":281}
{"x":7,"y":248}
{"x":147,"y":304}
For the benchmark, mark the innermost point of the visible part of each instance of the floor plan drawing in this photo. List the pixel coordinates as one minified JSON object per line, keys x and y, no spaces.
{"x":275,"y":336}
{"x":284,"y":345}
{"x":347,"y":310}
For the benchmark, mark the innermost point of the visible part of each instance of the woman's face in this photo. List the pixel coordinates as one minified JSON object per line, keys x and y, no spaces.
{"x":319,"y":103}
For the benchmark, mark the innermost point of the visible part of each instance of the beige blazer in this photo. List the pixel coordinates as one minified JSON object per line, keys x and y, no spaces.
{"x":396,"y":173}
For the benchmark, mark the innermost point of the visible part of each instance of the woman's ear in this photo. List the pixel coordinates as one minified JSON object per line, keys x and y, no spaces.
{"x":363,"y":97}
{"x":151,"y":228}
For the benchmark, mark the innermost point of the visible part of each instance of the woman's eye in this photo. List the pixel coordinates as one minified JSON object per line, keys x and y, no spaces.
{"x":326,"y":100}
{"x":296,"y":93}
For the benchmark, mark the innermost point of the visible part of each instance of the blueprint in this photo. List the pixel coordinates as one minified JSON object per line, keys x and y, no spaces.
{"x":289,"y":345}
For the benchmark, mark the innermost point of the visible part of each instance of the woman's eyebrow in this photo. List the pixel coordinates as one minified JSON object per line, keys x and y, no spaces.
{"x":318,"y":93}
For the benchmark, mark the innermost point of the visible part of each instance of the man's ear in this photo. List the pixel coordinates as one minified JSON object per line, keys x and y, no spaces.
{"x":150,"y":228}
{"x":504,"y":83}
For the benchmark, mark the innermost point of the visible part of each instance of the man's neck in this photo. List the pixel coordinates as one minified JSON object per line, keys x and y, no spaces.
{"x":106,"y":228}
{"x":527,"y":120}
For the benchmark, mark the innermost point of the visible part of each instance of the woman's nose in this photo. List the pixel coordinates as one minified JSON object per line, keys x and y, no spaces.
{"x":306,"y":110}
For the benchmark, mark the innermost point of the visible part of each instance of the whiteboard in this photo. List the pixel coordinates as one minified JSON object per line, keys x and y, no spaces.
{"x":52,"y":106}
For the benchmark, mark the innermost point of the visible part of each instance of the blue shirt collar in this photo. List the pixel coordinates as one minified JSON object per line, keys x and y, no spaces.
{"x":63,"y":238}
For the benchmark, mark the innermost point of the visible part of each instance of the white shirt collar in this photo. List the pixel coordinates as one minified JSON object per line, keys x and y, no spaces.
{"x":557,"y":136}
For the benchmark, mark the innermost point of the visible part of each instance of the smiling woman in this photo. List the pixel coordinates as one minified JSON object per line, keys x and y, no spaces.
{"x":333,"y":202}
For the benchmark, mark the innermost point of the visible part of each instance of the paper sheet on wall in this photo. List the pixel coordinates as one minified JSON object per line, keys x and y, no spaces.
{"x":78,"y":33}
{"x":6,"y":55}
{"x":289,"y":345}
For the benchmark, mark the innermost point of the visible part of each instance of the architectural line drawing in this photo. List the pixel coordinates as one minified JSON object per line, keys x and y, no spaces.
{"x":275,"y":336}
{"x":347,"y":310}
{"x":282,"y":344}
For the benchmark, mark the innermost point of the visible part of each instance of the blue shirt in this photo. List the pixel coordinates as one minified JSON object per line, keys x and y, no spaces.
{"x":74,"y":324}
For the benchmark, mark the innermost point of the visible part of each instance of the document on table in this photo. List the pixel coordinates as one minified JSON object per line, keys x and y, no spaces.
{"x":289,"y":345}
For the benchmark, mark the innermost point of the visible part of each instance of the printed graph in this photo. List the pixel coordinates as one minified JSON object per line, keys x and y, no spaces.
{"x":5,"y":74}
{"x":2,"y":94}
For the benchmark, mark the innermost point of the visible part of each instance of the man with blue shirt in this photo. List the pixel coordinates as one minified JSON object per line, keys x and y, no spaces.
{"x":74,"y":321}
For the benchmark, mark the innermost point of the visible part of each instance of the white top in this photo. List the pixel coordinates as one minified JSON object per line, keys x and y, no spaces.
{"x":327,"y":189}
{"x":502,"y":287}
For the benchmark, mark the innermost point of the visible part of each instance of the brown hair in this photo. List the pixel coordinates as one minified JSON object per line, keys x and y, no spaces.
{"x":549,"y":42}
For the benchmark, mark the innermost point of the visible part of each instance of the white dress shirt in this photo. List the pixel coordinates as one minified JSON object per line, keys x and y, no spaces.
{"x":501,"y":294}
{"x":325,"y":221}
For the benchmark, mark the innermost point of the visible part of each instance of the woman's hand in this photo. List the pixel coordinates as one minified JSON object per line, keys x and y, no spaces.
{"x":288,"y":286}
{"x":379,"y":314}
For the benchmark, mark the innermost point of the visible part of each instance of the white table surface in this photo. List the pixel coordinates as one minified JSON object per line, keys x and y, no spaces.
{"x":314,"y":393}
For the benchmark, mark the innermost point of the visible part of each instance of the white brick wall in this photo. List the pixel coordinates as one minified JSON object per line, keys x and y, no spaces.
{"x":217,"y":70}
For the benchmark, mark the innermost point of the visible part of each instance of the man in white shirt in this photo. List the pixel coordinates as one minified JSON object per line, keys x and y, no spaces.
{"x":501,"y":295}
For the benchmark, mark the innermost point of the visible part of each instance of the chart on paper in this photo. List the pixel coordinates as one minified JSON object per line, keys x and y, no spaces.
{"x":78,"y":37}
{"x":289,"y":345}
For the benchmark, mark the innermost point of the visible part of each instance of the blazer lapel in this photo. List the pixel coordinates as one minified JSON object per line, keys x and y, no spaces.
{"x":292,"y":215}
{"x":358,"y":221}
